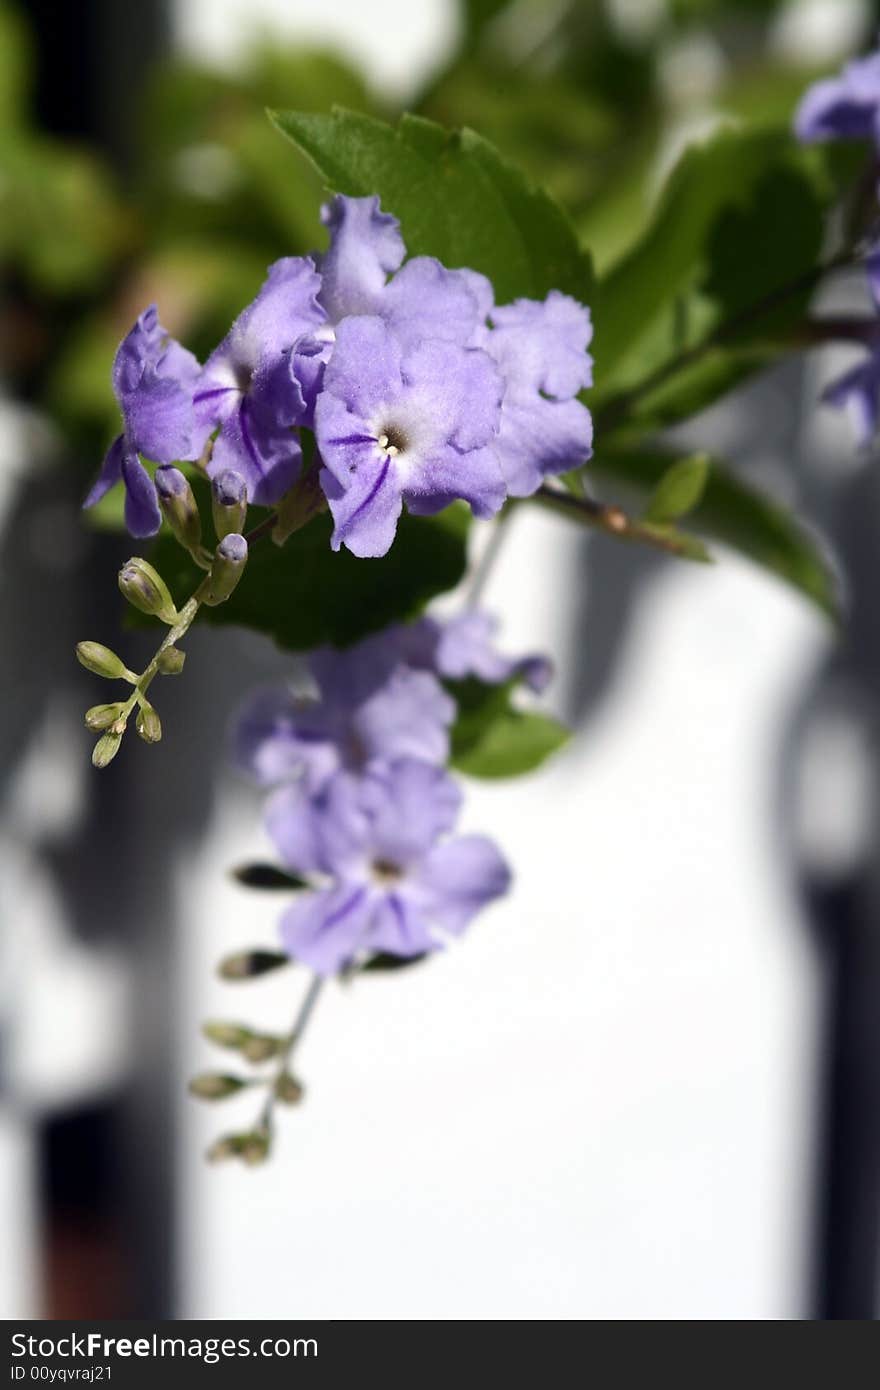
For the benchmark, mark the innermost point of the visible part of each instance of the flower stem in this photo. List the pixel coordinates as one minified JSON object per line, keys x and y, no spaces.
{"x":185,"y":618}
{"x":611,"y":519}
{"x":300,"y":1023}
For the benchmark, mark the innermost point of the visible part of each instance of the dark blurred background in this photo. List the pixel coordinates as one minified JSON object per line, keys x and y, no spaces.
{"x":650,"y":1091}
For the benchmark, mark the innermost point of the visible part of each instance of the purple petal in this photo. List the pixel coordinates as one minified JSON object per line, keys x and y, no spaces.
{"x":465,"y":647}
{"x":142,"y":515}
{"x":364,"y":371}
{"x":365,"y":247}
{"x":324,"y":930}
{"x":264,"y":453}
{"x":408,"y":717}
{"x":425,"y":300}
{"x":110,"y":474}
{"x":159,"y":419}
{"x":858,"y":391}
{"x":367,"y":512}
{"x":277,"y":737}
{"x":408,"y":805}
{"x":447,"y":476}
{"x":844,"y":106}
{"x":456,"y":880}
{"x":327,"y":831}
{"x":397,"y":926}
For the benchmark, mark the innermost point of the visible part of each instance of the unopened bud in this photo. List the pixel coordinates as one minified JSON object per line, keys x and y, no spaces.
{"x":214,"y":1086}
{"x":146,"y":590}
{"x":259,"y":1047}
{"x":178,"y":505}
{"x":148,"y":724}
{"x":249,"y":964}
{"x":101,"y":660}
{"x":105,"y":749}
{"x":255,"y":1147}
{"x":227,"y":1146}
{"x":170,"y":661}
{"x":288,"y":1090}
{"x":228,"y":503}
{"x":226,"y":1034}
{"x":101,"y":717}
{"x":230,"y":558}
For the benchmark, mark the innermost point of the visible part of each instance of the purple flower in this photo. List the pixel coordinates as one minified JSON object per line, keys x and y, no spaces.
{"x":401,"y":424}
{"x":541,"y":350}
{"x":394,"y":884}
{"x":369,"y":707}
{"x":422,"y":300}
{"x":845,"y":107}
{"x":153,"y":380}
{"x":465,"y":646}
{"x":365,"y":248}
{"x":858,"y":390}
{"x":248,"y":388}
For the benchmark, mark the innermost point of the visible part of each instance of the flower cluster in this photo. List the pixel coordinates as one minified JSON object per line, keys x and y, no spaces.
{"x":418,"y":389}
{"x":361,"y":802}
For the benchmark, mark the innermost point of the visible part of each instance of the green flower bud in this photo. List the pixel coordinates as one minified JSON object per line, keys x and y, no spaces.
{"x":105,"y":749}
{"x":179,"y":507}
{"x":101,"y":661}
{"x":288,"y":1090}
{"x":214,"y":1086}
{"x":226,"y":1034}
{"x":148,"y":724}
{"x":101,"y":717}
{"x":248,"y":964}
{"x":228,"y":503}
{"x":170,"y":661}
{"x":146,"y":590}
{"x":260,"y":1047}
{"x":227,"y":1146}
{"x":230,"y":558}
{"x":255,"y":1147}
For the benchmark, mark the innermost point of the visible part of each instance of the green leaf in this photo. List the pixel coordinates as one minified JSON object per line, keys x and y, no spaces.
{"x":679,"y":490}
{"x":305,"y":594}
{"x":739,"y":224}
{"x":267,"y":877}
{"x":737,"y":514}
{"x":456,"y":198}
{"x":491,"y":738}
{"x":247,"y":965}
{"x":382,"y":962}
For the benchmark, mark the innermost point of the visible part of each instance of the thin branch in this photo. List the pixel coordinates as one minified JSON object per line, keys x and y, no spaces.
{"x":613,"y":520}
{"x":300,"y":1024}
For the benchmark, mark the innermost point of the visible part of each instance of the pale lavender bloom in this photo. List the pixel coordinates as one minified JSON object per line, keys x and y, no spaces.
{"x":541,"y":350}
{"x":463,"y":646}
{"x":466,"y":647}
{"x":422,"y":300}
{"x":845,"y":107}
{"x":248,"y":388}
{"x":369,"y":707}
{"x":858,"y":390}
{"x":153,"y":379}
{"x":365,"y":248}
{"x":395,"y":885}
{"x":395,"y":425}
